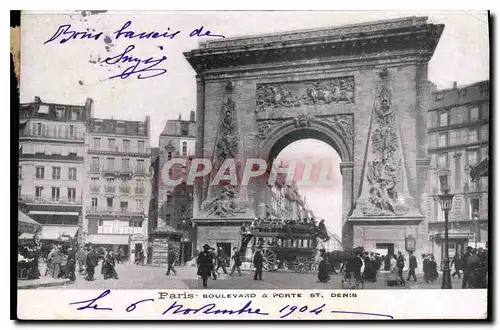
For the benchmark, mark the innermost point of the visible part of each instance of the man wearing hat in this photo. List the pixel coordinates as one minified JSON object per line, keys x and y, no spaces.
{"x":205,"y":264}
{"x":171,"y":261}
{"x":258,"y":262}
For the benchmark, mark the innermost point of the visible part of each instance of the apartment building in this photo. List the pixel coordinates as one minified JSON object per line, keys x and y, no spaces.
{"x":175,"y":204}
{"x":118,"y":184}
{"x":51,"y":165}
{"x":458,"y":141}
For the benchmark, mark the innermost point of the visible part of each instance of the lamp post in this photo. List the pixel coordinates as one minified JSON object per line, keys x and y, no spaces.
{"x":446,"y":200}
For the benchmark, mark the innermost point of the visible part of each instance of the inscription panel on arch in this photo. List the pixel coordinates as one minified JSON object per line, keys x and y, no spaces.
{"x":305,"y":93}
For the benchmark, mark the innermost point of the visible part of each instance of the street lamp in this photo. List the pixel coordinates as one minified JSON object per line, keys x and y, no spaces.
{"x":446,"y":200}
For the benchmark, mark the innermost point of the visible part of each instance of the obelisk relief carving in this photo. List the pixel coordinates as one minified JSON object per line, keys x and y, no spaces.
{"x":384,"y":190}
{"x":224,"y":194}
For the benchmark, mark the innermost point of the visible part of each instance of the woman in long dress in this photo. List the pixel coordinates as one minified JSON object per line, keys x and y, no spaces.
{"x":323,"y":276}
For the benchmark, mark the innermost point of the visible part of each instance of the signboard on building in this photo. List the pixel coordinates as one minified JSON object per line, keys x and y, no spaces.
{"x":410,"y":244}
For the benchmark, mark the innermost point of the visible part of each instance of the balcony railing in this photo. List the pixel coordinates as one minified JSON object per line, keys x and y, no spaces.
{"x":125,"y":189}
{"x":110,"y":189}
{"x":51,"y":200}
{"x":51,"y":134}
{"x":95,"y":189}
{"x":119,"y":151}
{"x":140,"y":170}
{"x":140,"y":190}
{"x":115,"y":212}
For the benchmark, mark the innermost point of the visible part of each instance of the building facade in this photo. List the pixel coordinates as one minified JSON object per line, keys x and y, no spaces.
{"x":174,"y":207}
{"x":51,"y":165}
{"x":458,"y":141}
{"x":118,"y":184}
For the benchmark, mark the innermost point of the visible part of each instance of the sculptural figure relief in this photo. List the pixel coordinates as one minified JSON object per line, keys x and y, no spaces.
{"x":336,"y":90}
{"x":384,"y":170}
{"x":343,"y":124}
{"x":221,"y":199}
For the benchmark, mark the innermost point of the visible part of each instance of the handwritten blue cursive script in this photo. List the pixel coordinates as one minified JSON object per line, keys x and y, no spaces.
{"x":139,"y":66}
{"x":92,"y":303}
{"x":212,"y":309}
{"x":209,"y":309}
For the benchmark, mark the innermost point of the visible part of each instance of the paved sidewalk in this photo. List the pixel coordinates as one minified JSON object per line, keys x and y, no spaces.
{"x":42,"y":282}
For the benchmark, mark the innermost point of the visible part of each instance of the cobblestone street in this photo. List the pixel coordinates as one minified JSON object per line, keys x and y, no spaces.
{"x":149,"y":277}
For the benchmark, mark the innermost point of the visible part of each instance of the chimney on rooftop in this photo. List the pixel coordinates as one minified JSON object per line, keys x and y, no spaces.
{"x":454,"y":85}
{"x":38,"y":99}
{"x":180,"y":116}
{"x":191,"y":116}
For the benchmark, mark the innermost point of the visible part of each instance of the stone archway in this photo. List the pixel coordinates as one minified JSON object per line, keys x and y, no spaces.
{"x":362,"y":89}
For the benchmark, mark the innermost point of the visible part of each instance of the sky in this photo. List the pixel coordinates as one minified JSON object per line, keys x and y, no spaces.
{"x":67,"y":73}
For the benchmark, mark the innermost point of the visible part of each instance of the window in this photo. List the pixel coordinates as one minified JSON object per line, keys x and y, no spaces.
{"x":38,"y":129}
{"x":184,"y":129}
{"x":55,"y":193}
{"x":439,"y":96}
{"x":483,"y":183}
{"x":75,"y":114}
{"x":111,"y":163}
{"x":432,"y":140}
{"x":56,"y":173}
{"x":110,"y":181}
{"x":169,"y":198}
{"x":140,"y":146}
{"x":20,"y":172}
{"x":485,"y":136}
{"x":464,"y":135}
{"x":135,"y":224}
{"x":96,"y":144}
{"x":19,"y":191}
{"x":168,"y":218}
{"x":443,"y":183}
{"x":94,"y":203}
{"x":71,"y":131}
{"x":94,"y":182}
{"x":453,"y":137}
{"x":443,"y":139}
{"x":473,"y":134}
{"x":101,"y":223}
{"x":43,"y":109}
{"x":139,"y":204}
{"x":21,"y":150}
{"x":472,"y":157}
{"x":184,"y":149}
{"x":71,"y":194}
{"x":169,"y":155}
{"x":59,"y":111}
{"x":38,"y":192}
{"x":72,"y":173}
{"x":40,"y":172}
{"x":474,"y":207}
{"x":109,"y":203}
{"x":474,"y":114}
{"x":463,"y":92}
{"x":485,"y":111}
{"x":443,"y":118}
{"x":443,"y":160}
{"x":126,"y":145}
{"x":39,"y":149}
{"x":140,"y":166}
{"x":111,"y":144}
{"x":123,"y":206}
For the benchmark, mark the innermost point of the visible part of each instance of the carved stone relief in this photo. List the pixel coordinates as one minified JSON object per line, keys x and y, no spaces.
{"x":384,"y":170}
{"x":336,"y":90}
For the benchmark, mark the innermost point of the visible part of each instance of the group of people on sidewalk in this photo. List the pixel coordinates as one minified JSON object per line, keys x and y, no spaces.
{"x":209,"y":262}
{"x":474,"y":264}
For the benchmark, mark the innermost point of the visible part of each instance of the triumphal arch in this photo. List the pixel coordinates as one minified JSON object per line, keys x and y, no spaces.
{"x":363,"y":89}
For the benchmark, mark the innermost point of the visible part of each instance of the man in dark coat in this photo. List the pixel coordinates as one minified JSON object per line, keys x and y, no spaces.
{"x":108,"y":266}
{"x":401,"y":264}
{"x":467,"y":255}
{"x":92,"y":261}
{"x":411,"y":267}
{"x":221,"y":260}
{"x":258,"y":262}
{"x":323,"y":276}
{"x":237,"y":262}
{"x":353,"y":266}
{"x":170,"y":261}
{"x":205,"y":264}
{"x":458,"y":263}
{"x":475,"y":275}
{"x":71,"y":265}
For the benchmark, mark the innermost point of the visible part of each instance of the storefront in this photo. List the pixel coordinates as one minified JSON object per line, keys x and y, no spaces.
{"x":26,"y":226}
{"x":110,"y":241}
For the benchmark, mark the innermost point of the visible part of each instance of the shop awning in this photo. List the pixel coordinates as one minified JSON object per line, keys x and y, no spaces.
{"x":26,"y":224}
{"x":166,"y":229}
{"x":58,"y":232}
{"x":55,"y":212}
{"x":26,"y":236}
{"x":108,"y":239}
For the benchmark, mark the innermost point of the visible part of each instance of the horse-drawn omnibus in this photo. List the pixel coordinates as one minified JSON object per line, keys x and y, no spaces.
{"x":293,"y":243}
